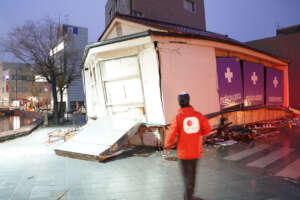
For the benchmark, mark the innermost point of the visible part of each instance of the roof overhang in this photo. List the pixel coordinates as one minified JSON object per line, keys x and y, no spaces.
{"x":117,"y":19}
{"x":177,"y":35}
{"x":231,"y":43}
{"x":89,"y":48}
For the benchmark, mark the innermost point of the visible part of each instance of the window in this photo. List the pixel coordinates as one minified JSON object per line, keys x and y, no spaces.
{"x":124,"y":92}
{"x":110,"y":13}
{"x":137,"y":13}
{"x":123,"y":87}
{"x":120,"y":68}
{"x":117,"y":3}
{"x":119,"y":30}
{"x":189,"y":5}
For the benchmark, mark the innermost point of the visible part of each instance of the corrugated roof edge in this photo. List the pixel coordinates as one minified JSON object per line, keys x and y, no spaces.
{"x":150,"y":32}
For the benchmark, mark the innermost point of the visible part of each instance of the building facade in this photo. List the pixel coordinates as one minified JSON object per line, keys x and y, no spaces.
{"x":285,"y":44}
{"x":190,"y":13}
{"x":18,"y":84}
{"x":72,"y":39}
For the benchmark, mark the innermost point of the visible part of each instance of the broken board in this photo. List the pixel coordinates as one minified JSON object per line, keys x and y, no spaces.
{"x":99,"y":139}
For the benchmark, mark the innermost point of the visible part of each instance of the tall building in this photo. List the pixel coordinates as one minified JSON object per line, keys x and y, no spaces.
{"x":189,"y":13}
{"x":72,"y":39}
{"x":285,"y":44}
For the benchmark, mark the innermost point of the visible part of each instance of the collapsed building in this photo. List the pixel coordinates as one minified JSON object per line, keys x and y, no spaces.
{"x":139,"y":66}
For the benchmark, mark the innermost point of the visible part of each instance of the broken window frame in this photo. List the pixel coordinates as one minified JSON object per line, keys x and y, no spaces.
{"x":109,"y":106}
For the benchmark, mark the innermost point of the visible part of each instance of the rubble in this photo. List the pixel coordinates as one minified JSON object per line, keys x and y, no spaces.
{"x":60,"y":134}
{"x":227,"y":143}
{"x":226,"y":135}
{"x":152,"y":136}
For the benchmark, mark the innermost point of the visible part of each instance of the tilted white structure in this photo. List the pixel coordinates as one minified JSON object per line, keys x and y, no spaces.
{"x":139,"y":66}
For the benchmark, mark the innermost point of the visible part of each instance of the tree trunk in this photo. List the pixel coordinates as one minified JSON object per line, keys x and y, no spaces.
{"x":61,"y":92}
{"x":55,"y":103}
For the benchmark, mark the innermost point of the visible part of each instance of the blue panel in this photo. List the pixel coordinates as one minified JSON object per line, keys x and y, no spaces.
{"x":75,"y":30}
{"x":65,"y":29}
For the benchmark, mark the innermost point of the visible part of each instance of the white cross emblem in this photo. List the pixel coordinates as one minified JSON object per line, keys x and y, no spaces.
{"x":254,"y":78}
{"x":275,"y":82}
{"x":228,"y":75}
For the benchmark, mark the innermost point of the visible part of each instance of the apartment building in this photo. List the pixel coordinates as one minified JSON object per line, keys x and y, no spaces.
{"x":190,"y":13}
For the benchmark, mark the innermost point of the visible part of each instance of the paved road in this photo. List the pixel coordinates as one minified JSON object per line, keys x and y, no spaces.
{"x":29,"y":170}
{"x":275,"y":156}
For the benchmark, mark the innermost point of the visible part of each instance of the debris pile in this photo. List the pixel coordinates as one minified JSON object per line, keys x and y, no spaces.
{"x":228,"y":135}
{"x":60,"y":134}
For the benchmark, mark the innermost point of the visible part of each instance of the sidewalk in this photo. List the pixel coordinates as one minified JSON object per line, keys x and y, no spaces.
{"x":29,"y":170}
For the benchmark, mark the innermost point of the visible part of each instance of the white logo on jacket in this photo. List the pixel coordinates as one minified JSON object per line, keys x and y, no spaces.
{"x":191,"y":125}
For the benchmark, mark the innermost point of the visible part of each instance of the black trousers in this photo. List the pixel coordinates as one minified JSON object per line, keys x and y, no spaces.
{"x":189,"y":170}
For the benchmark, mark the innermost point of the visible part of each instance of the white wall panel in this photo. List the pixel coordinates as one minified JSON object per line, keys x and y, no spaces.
{"x":151,"y":84}
{"x":192,"y":69}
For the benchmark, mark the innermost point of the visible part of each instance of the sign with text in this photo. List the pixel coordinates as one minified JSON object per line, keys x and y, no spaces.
{"x":254,"y":84}
{"x":274,"y":87}
{"x":229,"y":82}
{"x":6,"y":83}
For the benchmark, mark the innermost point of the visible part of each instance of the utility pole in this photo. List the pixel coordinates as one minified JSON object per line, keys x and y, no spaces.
{"x":16,"y":83}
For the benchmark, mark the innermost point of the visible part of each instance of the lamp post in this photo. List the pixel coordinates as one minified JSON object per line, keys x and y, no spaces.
{"x":16,"y":76}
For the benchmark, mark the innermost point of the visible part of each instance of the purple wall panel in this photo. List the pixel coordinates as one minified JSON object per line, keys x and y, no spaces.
{"x":253,"y":84}
{"x":229,"y":82}
{"x":274,"y":87}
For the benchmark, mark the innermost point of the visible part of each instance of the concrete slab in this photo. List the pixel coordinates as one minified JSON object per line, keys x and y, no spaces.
{"x":102,"y":137}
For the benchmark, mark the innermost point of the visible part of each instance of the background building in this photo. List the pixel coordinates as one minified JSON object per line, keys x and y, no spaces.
{"x":183,"y":12}
{"x":72,"y":38}
{"x":285,"y":44}
{"x":18,"y":83}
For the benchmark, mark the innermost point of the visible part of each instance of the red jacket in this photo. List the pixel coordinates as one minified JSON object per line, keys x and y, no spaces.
{"x":189,"y":126}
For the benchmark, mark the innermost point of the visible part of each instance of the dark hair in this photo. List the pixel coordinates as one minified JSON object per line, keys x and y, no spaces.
{"x":184,"y":100}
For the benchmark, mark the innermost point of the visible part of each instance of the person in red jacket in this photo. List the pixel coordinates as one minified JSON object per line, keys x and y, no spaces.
{"x":189,"y":126}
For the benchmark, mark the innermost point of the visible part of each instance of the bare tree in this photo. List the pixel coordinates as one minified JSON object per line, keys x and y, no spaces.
{"x":36,"y":43}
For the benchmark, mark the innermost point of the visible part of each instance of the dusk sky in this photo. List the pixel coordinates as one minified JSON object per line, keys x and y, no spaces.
{"x":243,"y":20}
